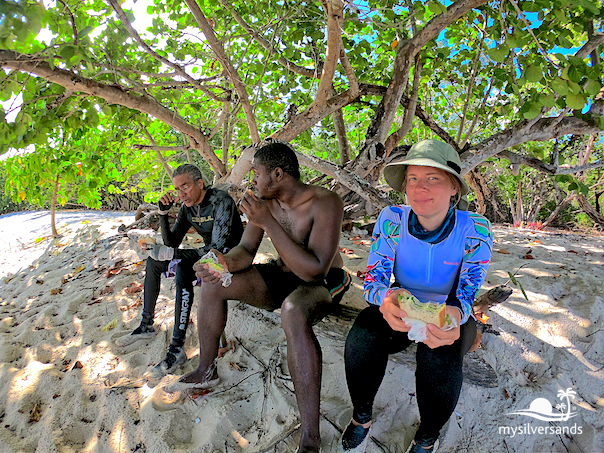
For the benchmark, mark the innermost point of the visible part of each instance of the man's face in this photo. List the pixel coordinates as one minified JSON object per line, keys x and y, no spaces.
{"x":189,"y":191}
{"x":262,"y":181}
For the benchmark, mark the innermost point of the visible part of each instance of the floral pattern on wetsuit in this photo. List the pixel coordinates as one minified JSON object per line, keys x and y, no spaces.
{"x":476,"y":240}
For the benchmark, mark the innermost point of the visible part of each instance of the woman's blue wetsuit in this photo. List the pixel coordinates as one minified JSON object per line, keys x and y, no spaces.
{"x":450,"y":271}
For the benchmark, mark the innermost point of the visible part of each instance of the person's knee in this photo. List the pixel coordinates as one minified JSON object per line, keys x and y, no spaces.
{"x":293,"y":315}
{"x":211,"y":292}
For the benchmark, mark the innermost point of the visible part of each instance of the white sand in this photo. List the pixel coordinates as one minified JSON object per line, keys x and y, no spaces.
{"x":553,"y":342}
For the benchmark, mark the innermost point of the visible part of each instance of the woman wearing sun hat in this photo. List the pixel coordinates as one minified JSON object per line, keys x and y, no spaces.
{"x":438,"y":252}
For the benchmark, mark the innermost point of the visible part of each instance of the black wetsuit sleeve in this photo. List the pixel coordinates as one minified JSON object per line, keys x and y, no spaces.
{"x":225,"y":211}
{"x":174,"y":236}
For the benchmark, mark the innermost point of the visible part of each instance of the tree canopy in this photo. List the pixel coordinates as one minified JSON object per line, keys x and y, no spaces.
{"x":350,"y":85}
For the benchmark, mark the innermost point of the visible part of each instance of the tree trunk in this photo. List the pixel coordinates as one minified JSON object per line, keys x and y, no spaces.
{"x":559,"y":208}
{"x":590,"y":210}
{"x":53,"y":205}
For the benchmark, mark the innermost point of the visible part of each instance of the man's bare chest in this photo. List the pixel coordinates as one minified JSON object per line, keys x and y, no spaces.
{"x":297,"y":224}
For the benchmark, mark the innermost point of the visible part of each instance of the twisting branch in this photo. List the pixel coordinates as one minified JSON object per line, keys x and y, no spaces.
{"x":289,"y":65}
{"x":179,"y":70}
{"x":334,"y":11}
{"x":410,"y":109}
{"x":222,"y":57}
{"x":112,"y":94}
{"x":223,"y":114}
{"x":73,"y":23}
{"x":353,"y":84}
{"x":530,"y":30}
{"x":158,"y":153}
{"x":470,"y":88}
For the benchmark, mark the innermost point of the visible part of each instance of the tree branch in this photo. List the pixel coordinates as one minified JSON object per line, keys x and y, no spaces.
{"x":520,"y":133}
{"x":111,"y":93}
{"x":180,"y":71}
{"x":222,"y":57}
{"x":287,"y":64}
{"x":334,"y":13}
{"x":410,"y":110}
{"x":158,"y":153}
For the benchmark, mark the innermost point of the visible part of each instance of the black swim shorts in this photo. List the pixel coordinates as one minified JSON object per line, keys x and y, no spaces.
{"x":281,"y":284}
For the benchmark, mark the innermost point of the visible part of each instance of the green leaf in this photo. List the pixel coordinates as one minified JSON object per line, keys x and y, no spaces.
{"x":512,"y":278}
{"x":547,"y":100}
{"x":593,"y":87}
{"x":85,"y":31}
{"x":523,"y":293}
{"x":499,"y":54}
{"x":559,"y":86}
{"x":533,"y":73}
{"x":533,"y":110}
{"x":575,"y":101}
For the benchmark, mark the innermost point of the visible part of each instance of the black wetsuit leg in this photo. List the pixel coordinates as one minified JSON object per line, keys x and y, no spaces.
{"x":438,"y":380}
{"x":438,"y":376}
{"x":152,"y":285}
{"x":366,"y":355}
{"x":185,"y":277}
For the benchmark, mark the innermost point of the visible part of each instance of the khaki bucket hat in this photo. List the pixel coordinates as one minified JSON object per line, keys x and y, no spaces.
{"x":427,"y":153}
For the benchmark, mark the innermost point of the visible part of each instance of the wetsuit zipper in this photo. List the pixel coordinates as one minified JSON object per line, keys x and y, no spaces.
{"x":429,"y":276}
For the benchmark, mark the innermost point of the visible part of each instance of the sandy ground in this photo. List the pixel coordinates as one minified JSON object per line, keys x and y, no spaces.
{"x":66,"y":387}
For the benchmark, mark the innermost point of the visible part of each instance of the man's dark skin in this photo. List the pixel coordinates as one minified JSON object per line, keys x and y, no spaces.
{"x":304,"y":224}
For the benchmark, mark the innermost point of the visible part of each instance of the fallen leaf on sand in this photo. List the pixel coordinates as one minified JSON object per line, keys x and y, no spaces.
{"x":8,"y":279}
{"x":55,"y":291}
{"x":137,"y":303}
{"x":36,"y":414}
{"x":77,"y":364}
{"x":108,"y":289}
{"x":134,"y":288}
{"x":504,"y":251}
{"x":528,"y":256}
{"x":573,"y":251}
{"x":223,"y":351}
{"x":79,"y":269}
{"x":95,"y":300}
{"x":111,"y":325}
{"x":361,"y":274}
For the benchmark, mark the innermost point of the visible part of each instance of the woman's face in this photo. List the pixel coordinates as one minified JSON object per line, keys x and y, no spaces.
{"x":429,"y":191}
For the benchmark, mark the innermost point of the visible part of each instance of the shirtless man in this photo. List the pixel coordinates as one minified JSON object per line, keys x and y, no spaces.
{"x":304,"y":224}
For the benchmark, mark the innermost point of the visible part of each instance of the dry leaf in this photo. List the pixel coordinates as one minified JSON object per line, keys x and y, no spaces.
{"x":95,"y":300}
{"x":528,"y":256}
{"x":234,"y":365}
{"x":66,"y":278}
{"x":573,"y":251}
{"x":36,"y":414}
{"x":8,"y":279}
{"x":361,"y":274}
{"x":77,"y":364}
{"x":55,"y":291}
{"x":504,"y":251}
{"x":108,"y":289}
{"x":79,"y":269}
{"x":346,"y":251}
{"x":39,"y":281}
{"x":133,"y":288}
{"x":111,"y":325}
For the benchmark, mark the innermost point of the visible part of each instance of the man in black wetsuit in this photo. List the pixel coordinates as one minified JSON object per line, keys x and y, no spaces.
{"x":213,"y":214}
